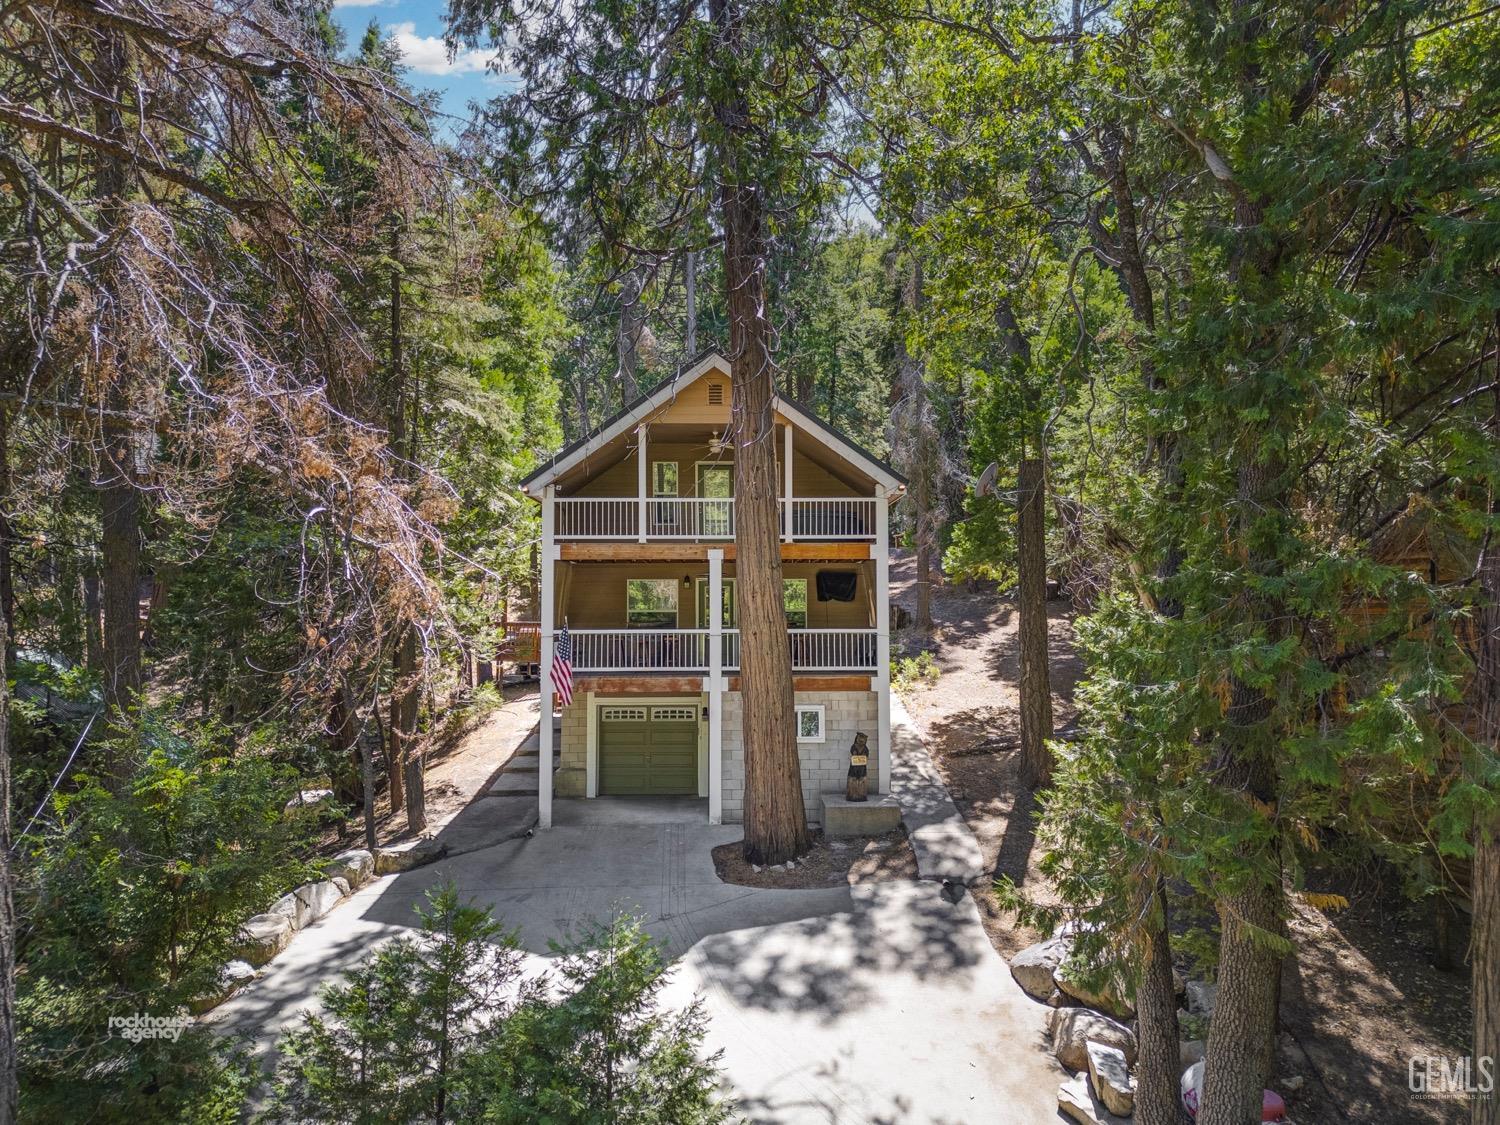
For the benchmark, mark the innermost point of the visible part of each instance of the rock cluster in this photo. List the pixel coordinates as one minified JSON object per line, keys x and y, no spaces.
{"x":1092,"y":1035}
{"x":263,"y":936}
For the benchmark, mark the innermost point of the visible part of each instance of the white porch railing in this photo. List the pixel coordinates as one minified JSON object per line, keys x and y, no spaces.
{"x":596,"y":518}
{"x":688,"y":517}
{"x":695,"y":517}
{"x":686,"y":650}
{"x":640,"y":650}
{"x":833,"y":518}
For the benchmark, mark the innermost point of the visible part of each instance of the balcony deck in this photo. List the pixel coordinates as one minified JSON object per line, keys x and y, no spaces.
{"x":687,"y":650}
{"x":817,"y":518}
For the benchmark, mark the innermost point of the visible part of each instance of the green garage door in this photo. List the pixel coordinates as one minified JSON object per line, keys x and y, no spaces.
{"x":648,"y":749}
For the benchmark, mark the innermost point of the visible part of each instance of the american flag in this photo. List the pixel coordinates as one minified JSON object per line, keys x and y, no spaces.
{"x":562,"y":666}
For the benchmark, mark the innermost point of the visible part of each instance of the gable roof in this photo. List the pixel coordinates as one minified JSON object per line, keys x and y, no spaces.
{"x":690,"y":372}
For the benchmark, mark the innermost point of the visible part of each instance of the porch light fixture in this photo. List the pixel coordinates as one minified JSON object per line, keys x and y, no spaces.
{"x":687,"y":580}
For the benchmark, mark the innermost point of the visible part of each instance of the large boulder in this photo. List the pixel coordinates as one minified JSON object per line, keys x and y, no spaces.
{"x":1034,"y":966}
{"x":403,"y":857}
{"x":1073,"y":1028}
{"x":318,"y":899}
{"x":309,"y":798}
{"x":263,"y":936}
{"x":309,"y":902}
{"x":292,"y":908}
{"x":356,"y":867}
{"x":1108,"y":998}
{"x":1075,"y":1100}
{"x":1110,"y":1077}
{"x":232,"y":977}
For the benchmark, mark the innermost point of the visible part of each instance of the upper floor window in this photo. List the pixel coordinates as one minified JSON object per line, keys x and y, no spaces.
{"x":651,"y":603}
{"x":664,"y":478}
{"x":794,"y":601}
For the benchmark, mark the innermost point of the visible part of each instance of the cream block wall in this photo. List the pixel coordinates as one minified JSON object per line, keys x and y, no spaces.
{"x":571,"y":777}
{"x":825,"y":765}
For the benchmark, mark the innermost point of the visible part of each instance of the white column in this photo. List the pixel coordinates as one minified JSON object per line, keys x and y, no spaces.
{"x":716,"y":685}
{"x":786,"y":468}
{"x":880,"y":552}
{"x":548,"y":614}
{"x":640,"y":481}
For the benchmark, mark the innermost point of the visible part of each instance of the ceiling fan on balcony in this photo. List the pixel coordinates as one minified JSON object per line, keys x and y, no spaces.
{"x":716,"y":444}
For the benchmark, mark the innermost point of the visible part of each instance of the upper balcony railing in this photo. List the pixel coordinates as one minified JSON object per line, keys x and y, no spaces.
{"x":674,"y":517}
{"x":687,"y":650}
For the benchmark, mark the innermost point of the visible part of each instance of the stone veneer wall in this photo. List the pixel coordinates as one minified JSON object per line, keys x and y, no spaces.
{"x":825,"y":765}
{"x":571,"y":777}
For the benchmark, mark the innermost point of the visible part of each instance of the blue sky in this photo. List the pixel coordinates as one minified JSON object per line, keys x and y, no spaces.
{"x":417,"y":26}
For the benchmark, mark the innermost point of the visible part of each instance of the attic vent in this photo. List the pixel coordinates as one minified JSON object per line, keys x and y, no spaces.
{"x":716,"y":394}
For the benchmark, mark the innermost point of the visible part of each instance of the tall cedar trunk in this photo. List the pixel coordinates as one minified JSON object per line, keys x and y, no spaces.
{"x":1485,"y":942}
{"x":775,"y":821}
{"x":404,"y":720}
{"x":403,"y":688}
{"x":93,"y":636}
{"x":7,"y":573}
{"x":119,"y":500}
{"x":1031,"y":559}
{"x":1241,"y":1036}
{"x":628,"y":336}
{"x":348,"y":782}
{"x":1031,"y":604}
{"x":1156,"y":1092}
{"x":1157,"y":1029}
{"x":922,"y":453}
{"x":7,"y":911}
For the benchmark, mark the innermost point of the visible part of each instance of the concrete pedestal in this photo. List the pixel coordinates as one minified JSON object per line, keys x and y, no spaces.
{"x":875,"y":817}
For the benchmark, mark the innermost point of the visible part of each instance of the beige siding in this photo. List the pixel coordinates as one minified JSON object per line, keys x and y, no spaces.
{"x":620,"y":479}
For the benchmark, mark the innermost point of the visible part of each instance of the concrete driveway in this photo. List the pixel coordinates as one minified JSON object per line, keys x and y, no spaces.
{"x":874,"y":1003}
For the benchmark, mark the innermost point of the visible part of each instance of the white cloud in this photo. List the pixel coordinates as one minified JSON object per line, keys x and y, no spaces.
{"x":428,"y":54}
{"x":363,"y":3}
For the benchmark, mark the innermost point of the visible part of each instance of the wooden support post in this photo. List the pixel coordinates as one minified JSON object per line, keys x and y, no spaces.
{"x":640,"y":481}
{"x":716,"y":685}
{"x":881,"y":553}
{"x":786,"y":459}
{"x":544,"y":669}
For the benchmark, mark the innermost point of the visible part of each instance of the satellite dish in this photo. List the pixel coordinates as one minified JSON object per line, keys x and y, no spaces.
{"x":985,"y":486}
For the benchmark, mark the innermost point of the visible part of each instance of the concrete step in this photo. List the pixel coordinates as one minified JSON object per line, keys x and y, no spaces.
{"x":511,"y":784}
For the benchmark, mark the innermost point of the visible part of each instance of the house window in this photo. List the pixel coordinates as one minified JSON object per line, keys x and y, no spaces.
{"x":664,"y":478}
{"x":651,"y":603}
{"x":794,"y":601}
{"x":810,"y":722}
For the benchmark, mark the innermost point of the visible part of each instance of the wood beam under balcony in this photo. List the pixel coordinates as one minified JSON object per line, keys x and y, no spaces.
{"x":619,"y":551}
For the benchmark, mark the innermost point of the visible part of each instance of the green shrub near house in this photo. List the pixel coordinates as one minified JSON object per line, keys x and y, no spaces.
{"x":446,"y":1026}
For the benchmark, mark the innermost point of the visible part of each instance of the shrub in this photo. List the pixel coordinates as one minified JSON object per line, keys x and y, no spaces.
{"x":909,"y":672}
{"x":131,"y":906}
{"x":443,"y":1027}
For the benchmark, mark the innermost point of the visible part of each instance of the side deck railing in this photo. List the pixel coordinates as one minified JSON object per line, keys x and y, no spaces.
{"x":701,"y":518}
{"x":686,"y":650}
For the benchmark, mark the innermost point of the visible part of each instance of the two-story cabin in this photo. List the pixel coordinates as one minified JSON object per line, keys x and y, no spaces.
{"x":638,"y":525}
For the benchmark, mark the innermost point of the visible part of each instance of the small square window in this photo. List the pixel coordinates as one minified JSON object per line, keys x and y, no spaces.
{"x":810,"y":723}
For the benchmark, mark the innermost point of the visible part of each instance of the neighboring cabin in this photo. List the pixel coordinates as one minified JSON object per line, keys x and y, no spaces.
{"x":638,"y":543}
